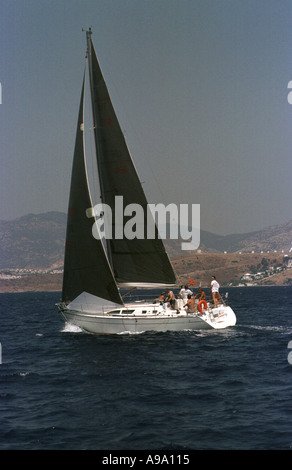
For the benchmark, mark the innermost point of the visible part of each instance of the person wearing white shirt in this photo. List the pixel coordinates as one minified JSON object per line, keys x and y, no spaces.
{"x":184,"y":292}
{"x":215,"y":290}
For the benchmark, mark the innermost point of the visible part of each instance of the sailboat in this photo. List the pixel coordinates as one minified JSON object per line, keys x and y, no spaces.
{"x":96,"y":268}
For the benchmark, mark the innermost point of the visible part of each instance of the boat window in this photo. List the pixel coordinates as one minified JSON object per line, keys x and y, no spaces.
{"x":128,"y":311}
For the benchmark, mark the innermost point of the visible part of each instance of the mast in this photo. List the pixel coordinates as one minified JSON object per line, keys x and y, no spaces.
{"x":96,"y":125}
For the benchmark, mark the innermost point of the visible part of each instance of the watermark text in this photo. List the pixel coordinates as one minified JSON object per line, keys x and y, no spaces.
{"x":134,"y":221}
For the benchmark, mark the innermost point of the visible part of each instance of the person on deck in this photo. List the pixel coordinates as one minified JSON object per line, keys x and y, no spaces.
{"x":162,"y":297}
{"x":215,"y":290}
{"x":200,"y":295}
{"x":190,"y":305}
{"x":184,"y":292}
{"x":171,"y":299}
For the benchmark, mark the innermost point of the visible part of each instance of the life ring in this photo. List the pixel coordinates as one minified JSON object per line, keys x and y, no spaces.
{"x":199,"y":305}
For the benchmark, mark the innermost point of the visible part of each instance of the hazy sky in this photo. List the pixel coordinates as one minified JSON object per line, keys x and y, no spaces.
{"x":200,"y":88}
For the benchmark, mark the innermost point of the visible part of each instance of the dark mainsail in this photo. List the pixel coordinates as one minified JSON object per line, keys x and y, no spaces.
{"x":86,"y":268}
{"x":134,"y":261}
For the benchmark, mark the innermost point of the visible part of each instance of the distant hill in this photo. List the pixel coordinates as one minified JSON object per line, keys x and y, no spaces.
{"x":230,"y":268}
{"x":33,"y":241}
{"x":274,"y":238}
{"x":37,"y":241}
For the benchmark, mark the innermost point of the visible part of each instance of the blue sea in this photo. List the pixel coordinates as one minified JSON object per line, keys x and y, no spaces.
{"x":222,"y":390}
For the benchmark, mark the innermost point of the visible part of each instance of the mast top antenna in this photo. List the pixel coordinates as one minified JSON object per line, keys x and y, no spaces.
{"x":89,"y":32}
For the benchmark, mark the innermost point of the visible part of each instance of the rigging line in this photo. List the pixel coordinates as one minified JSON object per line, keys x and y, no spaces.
{"x":129,"y":292}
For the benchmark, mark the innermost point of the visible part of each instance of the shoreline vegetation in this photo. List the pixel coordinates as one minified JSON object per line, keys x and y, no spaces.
{"x":230,"y":269}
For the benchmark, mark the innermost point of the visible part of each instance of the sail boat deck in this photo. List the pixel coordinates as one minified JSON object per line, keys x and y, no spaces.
{"x":133,"y":318}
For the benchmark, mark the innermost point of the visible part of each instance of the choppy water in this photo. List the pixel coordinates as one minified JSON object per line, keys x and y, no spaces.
{"x":64,"y":389}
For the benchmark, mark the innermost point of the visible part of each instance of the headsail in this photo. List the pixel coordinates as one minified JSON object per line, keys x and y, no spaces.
{"x":134,"y":261}
{"x":86,"y":268}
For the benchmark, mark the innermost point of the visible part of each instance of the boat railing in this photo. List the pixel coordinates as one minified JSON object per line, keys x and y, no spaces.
{"x":143,"y":296}
{"x":61,"y":306}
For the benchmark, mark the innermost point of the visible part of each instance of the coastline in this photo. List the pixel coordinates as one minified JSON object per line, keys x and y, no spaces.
{"x":32,"y":283}
{"x":231,"y":270}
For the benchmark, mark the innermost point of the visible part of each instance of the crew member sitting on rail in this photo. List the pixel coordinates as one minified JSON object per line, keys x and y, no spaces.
{"x":161,"y":298}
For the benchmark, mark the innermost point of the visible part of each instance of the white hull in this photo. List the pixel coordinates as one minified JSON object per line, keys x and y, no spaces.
{"x":149,"y":317}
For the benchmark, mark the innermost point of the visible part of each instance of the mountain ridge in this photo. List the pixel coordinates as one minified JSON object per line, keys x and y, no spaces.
{"x":37,"y":241}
